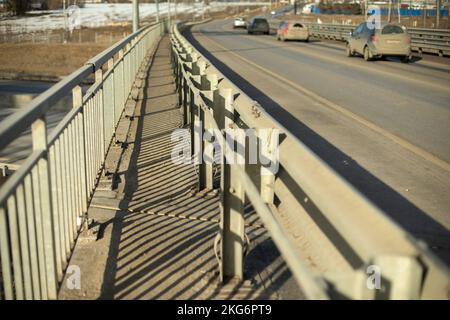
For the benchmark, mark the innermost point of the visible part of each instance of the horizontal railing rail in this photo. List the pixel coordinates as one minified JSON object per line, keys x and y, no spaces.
{"x":329,"y":234}
{"x":422,"y":39}
{"x":44,"y":203}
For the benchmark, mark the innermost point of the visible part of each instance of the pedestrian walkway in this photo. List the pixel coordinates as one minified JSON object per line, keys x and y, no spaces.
{"x":154,"y":233}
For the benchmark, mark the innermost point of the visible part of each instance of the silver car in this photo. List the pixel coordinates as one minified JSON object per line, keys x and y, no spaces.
{"x":292,"y":30}
{"x":388,"y":39}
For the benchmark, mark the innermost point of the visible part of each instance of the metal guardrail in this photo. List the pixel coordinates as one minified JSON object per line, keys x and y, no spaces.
{"x":328,"y":233}
{"x":422,"y":40}
{"x":44,"y":203}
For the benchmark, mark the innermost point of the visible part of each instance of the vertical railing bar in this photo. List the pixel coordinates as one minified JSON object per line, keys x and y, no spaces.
{"x":77,"y":171}
{"x":72,"y":184}
{"x":77,"y":95}
{"x":7,"y":274}
{"x":106,"y":103}
{"x":15,"y":247}
{"x":88,"y":143}
{"x":68,"y":183}
{"x":24,"y":243}
{"x":57,"y":223}
{"x":39,"y":137}
{"x":100,"y":135}
{"x":121,"y":79}
{"x":99,"y":79}
{"x":39,"y":233}
{"x":83,"y":159}
{"x":94,"y":138}
{"x":98,"y":138}
{"x":65,"y":191}
{"x":60,"y":206}
{"x":31,"y":224}
{"x":112,"y":95}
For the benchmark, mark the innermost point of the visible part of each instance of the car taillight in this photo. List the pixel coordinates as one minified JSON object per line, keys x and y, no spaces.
{"x":374,"y":38}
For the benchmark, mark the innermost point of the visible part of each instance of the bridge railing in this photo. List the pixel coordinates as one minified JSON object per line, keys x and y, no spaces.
{"x":329,"y":234}
{"x":44,"y":203}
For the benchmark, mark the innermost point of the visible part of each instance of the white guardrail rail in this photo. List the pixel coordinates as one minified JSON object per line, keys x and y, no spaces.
{"x":329,"y":234}
{"x":44,"y":203}
{"x":422,"y":39}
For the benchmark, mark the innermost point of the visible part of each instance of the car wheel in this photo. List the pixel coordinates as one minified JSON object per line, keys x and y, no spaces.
{"x":405,"y":59}
{"x":367,"y":55}
{"x":307,"y":40}
{"x":349,"y":50}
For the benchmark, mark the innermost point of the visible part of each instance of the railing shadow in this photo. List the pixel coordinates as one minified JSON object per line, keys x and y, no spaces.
{"x":162,"y":246}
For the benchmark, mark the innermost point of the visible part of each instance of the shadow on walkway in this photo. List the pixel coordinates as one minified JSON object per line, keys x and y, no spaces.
{"x":162,"y":247}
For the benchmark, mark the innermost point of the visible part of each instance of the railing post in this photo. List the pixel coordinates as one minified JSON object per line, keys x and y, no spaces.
{"x":206,"y":175}
{"x":39,"y":137}
{"x":99,"y":79}
{"x":184,"y":98}
{"x":5,"y":256}
{"x":232,"y":201}
{"x":121,"y":80}
{"x":112,"y":94}
{"x":77,"y":95}
{"x":268,"y":142}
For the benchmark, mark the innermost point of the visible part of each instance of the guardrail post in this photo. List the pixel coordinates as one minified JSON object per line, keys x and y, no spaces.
{"x":198,"y":68}
{"x":232,"y":202}
{"x":268,"y":142}
{"x":39,"y":138}
{"x":206,"y":174}
{"x":184,"y":99}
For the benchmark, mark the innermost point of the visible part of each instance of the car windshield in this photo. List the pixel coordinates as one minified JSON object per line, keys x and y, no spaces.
{"x":389,"y":29}
{"x":260,"y":21}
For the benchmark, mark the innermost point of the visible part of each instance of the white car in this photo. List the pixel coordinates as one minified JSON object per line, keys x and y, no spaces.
{"x":240,"y":23}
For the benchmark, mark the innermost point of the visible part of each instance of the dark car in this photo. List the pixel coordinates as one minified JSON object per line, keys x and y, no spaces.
{"x":258,"y":25}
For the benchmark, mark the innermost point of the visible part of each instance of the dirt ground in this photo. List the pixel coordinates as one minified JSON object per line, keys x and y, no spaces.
{"x":46,"y":59}
{"x":30,"y":55}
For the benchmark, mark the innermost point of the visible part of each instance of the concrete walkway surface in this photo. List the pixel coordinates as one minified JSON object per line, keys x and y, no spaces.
{"x":153,"y":233}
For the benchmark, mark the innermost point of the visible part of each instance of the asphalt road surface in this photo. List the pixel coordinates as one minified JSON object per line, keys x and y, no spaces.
{"x":383,"y":125}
